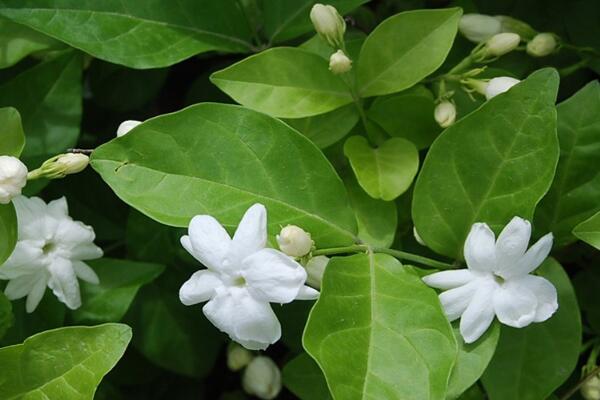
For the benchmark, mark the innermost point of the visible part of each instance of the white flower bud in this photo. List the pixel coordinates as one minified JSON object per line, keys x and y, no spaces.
{"x":315,"y":268}
{"x":126,"y":126}
{"x":238,"y":357}
{"x":478,"y":27}
{"x":294,"y":241}
{"x":13,"y":177}
{"x":60,"y":166}
{"x":502,"y":43}
{"x":590,"y":390}
{"x":339,"y":63}
{"x":445,"y":114}
{"x":262,"y":378}
{"x":499,"y":85}
{"x":418,"y":237}
{"x":542,"y":45}
{"x":329,"y":24}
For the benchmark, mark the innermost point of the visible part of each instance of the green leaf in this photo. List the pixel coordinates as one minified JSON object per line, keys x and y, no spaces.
{"x":120,"y":281}
{"x":530,"y":363}
{"x":589,"y":230}
{"x":495,"y":163}
{"x":378,"y":332}
{"x":284,"y":82}
{"x":199,"y":161}
{"x":404,"y":49}
{"x":586,"y":285}
{"x":12,"y":138}
{"x":66,"y":363}
{"x":385,"y":172}
{"x":303,"y":377}
{"x":472,"y":360}
{"x":8,"y":231}
{"x":327,"y":129}
{"x":18,"y":41}
{"x":408,"y":115}
{"x":377,"y":219}
{"x":574,"y":194}
{"x":48,"y":96}
{"x":125,"y":32}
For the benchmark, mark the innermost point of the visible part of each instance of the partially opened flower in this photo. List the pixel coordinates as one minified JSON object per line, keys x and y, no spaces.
{"x":242,"y":278}
{"x":50,"y":251}
{"x":498,"y":281}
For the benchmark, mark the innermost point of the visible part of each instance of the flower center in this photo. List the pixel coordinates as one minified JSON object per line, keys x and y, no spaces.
{"x":499,"y":280}
{"x":48,"y":248}
{"x":239,"y":281}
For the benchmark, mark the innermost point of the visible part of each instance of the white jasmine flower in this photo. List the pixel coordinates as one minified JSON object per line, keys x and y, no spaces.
{"x":50,"y":251}
{"x":339,"y":63}
{"x":126,"y":126}
{"x":478,"y":27}
{"x":445,"y":114}
{"x":294,"y":241}
{"x":242,"y":278}
{"x":499,"y":85}
{"x":13,"y":177}
{"x":497,"y":281}
{"x":262,"y":378}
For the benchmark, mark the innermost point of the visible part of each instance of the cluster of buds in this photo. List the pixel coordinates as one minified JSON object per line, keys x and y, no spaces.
{"x":331,"y":27}
{"x":60,"y":166}
{"x":261,"y":376}
{"x":13,"y":177}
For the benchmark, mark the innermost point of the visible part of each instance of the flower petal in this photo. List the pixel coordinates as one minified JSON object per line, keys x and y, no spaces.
{"x":545,"y":295}
{"x":58,"y":208}
{"x":208,"y":241}
{"x":512,"y":243}
{"x":455,"y":301}
{"x":85,"y":273}
{"x":307,"y":293}
{"x":246,"y":320}
{"x":24,"y":260}
{"x":251,"y":234}
{"x":449,"y":279}
{"x":479,"y":249}
{"x":273,"y":276}
{"x":21,"y":286}
{"x":479,"y":313}
{"x":200,"y":287}
{"x":63,"y":282}
{"x":36,"y":294}
{"x":531,"y":260}
{"x":515,"y":304}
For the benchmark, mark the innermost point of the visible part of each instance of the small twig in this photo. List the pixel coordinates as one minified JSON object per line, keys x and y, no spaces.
{"x":81,"y":151}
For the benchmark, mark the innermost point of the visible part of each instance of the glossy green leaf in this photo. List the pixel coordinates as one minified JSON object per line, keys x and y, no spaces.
{"x":495,"y":163}
{"x":8,"y":231}
{"x":284,"y":82}
{"x":472,"y":360}
{"x":353,"y":40}
{"x":12,"y":138}
{"x":120,"y":281}
{"x":66,"y":363}
{"x":18,"y":41}
{"x":48,"y":97}
{"x":385,"y":172}
{"x":303,"y":377}
{"x":199,"y":161}
{"x":404,"y":49}
{"x":327,"y":129}
{"x":408,"y":115}
{"x":589,"y":230}
{"x":376,"y":316}
{"x":377,"y":219}
{"x":575,"y":193}
{"x":124,"y":32}
{"x":530,"y":363}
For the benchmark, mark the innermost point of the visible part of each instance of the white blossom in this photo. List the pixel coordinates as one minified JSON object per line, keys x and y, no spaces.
{"x":242,"y":278}
{"x":497,"y":281}
{"x":499,"y":85}
{"x":294,"y":241}
{"x":126,"y":126}
{"x":50,"y":251}
{"x":262,"y":378}
{"x":445,"y":114}
{"x":13,"y":177}
{"x":339,"y":63}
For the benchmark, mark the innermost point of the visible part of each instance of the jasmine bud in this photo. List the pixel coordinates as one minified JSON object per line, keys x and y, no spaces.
{"x":294,"y":241}
{"x":126,"y":126}
{"x":262,"y":378}
{"x":339,"y":63}
{"x":60,"y":166}
{"x":502,"y":43}
{"x":13,"y":177}
{"x":499,"y":85}
{"x":541,"y":45}
{"x":238,"y":357}
{"x":329,"y":24}
{"x":590,"y":390}
{"x":478,"y":27}
{"x":445,"y":114}
{"x":315,"y":268}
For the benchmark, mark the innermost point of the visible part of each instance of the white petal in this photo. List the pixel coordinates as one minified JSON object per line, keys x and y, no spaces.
{"x":58,"y":208}
{"x":34,"y":220}
{"x":36,"y":294}
{"x":248,"y":321}
{"x":84,"y":272}
{"x":24,"y":260}
{"x":85,"y":251}
{"x":449,"y":279}
{"x":545,"y":294}
{"x":70,"y":234}
{"x":21,"y":286}
{"x":63,"y":283}
{"x":274,"y":276}
{"x":479,"y":313}
{"x":251,"y":234}
{"x":531,"y":260}
{"x":514,"y":304}
{"x":307,"y":293}
{"x":208,"y":241}
{"x":455,"y":301}
{"x":200,"y":287}
{"x":479,"y":249}
{"x":512,"y":243}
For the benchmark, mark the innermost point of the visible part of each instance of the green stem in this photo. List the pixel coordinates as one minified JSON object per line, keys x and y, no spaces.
{"x":566,"y":71}
{"x":465,"y":64}
{"x":579,"y":384}
{"x":401,"y":255}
